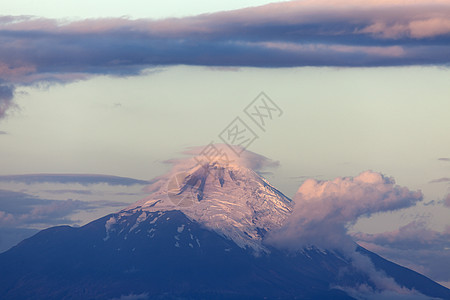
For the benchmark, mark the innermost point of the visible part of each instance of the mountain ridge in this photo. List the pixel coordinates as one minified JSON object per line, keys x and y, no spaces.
{"x":78,"y":263}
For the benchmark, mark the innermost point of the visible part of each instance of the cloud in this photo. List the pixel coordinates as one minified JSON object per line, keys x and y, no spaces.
{"x":324,"y":209}
{"x":83,"y":179}
{"x":18,"y":202}
{"x":52,"y":213}
{"x":364,"y":292}
{"x":444,"y":158}
{"x":222,"y":153}
{"x":6,"y":218}
{"x":286,"y":34}
{"x":69,"y":191}
{"x":107,"y":203}
{"x":21,"y":209}
{"x":38,"y":205}
{"x":322,"y":212}
{"x":211,"y":153}
{"x":439,"y":180}
{"x":415,"y":246}
{"x":447,"y":200}
{"x":414,"y":235}
{"x":379,"y":285}
{"x":6,"y":96}
{"x":54,"y":210}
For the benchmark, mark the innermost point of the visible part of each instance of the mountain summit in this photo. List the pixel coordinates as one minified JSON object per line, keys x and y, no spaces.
{"x":223,"y":195}
{"x":200,"y":234}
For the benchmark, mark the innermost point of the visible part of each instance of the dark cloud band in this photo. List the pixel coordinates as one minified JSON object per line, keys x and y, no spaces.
{"x":288,"y":34}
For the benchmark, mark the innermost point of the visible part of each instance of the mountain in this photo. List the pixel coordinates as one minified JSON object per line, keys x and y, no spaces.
{"x":200,"y":234}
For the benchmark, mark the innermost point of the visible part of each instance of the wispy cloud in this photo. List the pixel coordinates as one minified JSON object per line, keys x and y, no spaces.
{"x":83,"y":179}
{"x":439,"y":180}
{"x":414,"y":245}
{"x":37,"y":204}
{"x":18,"y":209}
{"x":414,"y":235}
{"x":447,"y":200}
{"x":287,"y":34}
{"x":249,"y":159}
{"x":53,"y":212}
{"x":6,"y":96}
{"x":67,"y":191}
{"x":444,"y":159}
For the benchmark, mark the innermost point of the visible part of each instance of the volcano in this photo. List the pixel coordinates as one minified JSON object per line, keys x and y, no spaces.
{"x":200,"y":234}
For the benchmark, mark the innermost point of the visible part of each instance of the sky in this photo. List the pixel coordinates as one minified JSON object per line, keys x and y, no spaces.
{"x":116,"y":89}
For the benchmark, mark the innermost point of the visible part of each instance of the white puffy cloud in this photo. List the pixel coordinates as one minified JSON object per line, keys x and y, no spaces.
{"x":324,"y":209}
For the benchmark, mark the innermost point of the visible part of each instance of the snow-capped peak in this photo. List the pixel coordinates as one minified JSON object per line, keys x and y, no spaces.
{"x":224,"y":194}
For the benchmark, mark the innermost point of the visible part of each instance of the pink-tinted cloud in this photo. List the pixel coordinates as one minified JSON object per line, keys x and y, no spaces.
{"x":193,"y":156}
{"x":324,"y":209}
{"x":413,"y":235}
{"x":280,"y":34}
{"x":6,"y":219}
{"x":391,"y":19}
{"x":246,"y":158}
{"x":49,"y":213}
{"x":415,"y":246}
